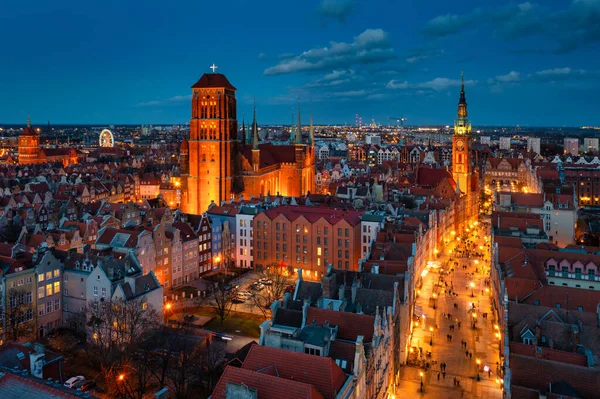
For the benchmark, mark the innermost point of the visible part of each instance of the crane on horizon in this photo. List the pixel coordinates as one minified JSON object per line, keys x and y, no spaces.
{"x":400,"y":120}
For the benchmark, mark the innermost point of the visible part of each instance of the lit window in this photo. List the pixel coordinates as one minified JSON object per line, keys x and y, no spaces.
{"x":48,"y":289}
{"x":56,"y":287}
{"x":41,"y":278}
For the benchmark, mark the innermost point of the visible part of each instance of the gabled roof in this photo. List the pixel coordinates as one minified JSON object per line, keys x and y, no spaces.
{"x":266,"y":386}
{"x":322,"y":372}
{"x":350,"y":325}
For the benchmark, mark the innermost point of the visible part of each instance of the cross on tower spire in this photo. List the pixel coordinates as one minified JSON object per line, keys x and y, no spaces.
{"x":213,"y":67}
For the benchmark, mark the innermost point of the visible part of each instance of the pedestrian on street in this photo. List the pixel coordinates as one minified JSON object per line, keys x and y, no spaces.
{"x":454,"y":381}
{"x":443,"y":375}
{"x":466,"y":353}
{"x":438,"y":376}
{"x":470,"y":355}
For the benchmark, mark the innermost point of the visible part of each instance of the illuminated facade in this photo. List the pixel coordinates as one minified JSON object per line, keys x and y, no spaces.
{"x":462,"y":163}
{"x":219,"y":167}
{"x":29,"y":146}
{"x":30,"y":152}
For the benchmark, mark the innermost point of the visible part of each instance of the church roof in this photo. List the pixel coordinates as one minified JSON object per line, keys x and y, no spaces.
{"x":271,"y":154}
{"x":185,"y":146}
{"x":213,"y":80}
{"x":29,"y":131}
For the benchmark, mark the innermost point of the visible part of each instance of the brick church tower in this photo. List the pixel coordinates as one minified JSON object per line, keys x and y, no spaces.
{"x":213,"y":138}
{"x":29,"y":146}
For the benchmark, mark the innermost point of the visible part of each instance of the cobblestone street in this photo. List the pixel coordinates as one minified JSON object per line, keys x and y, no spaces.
{"x":441,"y":309}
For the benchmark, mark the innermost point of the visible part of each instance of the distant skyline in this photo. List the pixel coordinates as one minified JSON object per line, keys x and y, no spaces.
{"x":126,"y":62}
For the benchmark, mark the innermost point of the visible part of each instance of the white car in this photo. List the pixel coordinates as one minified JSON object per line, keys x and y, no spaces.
{"x":73,"y":380}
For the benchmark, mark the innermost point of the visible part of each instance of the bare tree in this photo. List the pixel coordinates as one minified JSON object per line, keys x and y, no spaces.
{"x":277,"y":277}
{"x":221,"y":298}
{"x":117,"y":334}
{"x":18,"y":314}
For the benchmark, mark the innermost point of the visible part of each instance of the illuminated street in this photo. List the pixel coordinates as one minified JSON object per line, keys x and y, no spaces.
{"x":445,"y":307}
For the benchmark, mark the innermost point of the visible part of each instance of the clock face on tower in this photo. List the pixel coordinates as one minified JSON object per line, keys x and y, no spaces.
{"x":460,"y":144}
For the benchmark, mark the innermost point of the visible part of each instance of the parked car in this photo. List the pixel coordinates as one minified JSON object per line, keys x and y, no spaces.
{"x":256,"y":286}
{"x":71,"y":382}
{"x":238,"y":299}
{"x":245,"y":293}
{"x":265,"y":281}
{"x":87,"y":385}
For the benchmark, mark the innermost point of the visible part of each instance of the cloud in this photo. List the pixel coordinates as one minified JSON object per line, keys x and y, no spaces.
{"x":394,"y":84}
{"x":166,"y":101}
{"x":261,"y":56}
{"x":566,"y":30}
{"x":554,"y":72}
{"x":444,"y":25}
{"x":336,"y":9}
{"x":371,"y":46}
{"x":565,"y":73}
{"x":422,"y":53}
{"x":350,"y":93}
{"x":437,"y":84}
{"x":511,"y":77}
{"x":377,"y":96}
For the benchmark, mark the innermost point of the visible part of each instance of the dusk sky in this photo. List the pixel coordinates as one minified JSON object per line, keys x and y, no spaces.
{"x":111,"y":62}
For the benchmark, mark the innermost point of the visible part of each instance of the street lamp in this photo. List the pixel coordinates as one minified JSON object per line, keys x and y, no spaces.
{"x":421,"y":375}
{"x":434,"y":296}
{"x":472,"y":285}
{"x":474,"y":319}
{"x":431,"y":338}
{"x":478,"y":364}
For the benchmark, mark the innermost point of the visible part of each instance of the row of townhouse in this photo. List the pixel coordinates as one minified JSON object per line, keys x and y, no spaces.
{"x":49,"y":288}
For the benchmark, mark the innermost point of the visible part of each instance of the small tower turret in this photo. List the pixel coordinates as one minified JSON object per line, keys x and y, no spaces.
{"x":255,"y":148}
{"x":184,"y":157}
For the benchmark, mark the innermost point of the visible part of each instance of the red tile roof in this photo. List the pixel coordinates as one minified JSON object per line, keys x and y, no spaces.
{"x":517,"y":348}
{"x":350,"y":325}
{"x":267,"y":386}
{"x":569,"y":298}
{"x":322,"y":372}
{"x":313,"y":214}
{"x":213,"y":80}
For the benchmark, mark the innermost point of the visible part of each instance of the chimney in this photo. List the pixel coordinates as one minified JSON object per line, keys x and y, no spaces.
{"x":355,"y":285}
{"x":327,"y":285}
{"x":286,"y":299}
{"x":341,"y":291}
{"x":359,"y":354}
{"x":305,"y":307}
{"x":274,"y":306}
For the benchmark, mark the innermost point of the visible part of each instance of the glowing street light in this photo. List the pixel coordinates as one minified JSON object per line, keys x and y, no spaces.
{"x":121,"y":377}
{"x":478,"y":364}
{"x":472,"y":285}
{"x":434,"y":296}
{"x":431,"y":339}
{"x":421,"y":375}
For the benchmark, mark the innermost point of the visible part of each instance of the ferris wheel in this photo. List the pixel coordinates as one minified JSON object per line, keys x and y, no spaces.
{"x":106,"y":138}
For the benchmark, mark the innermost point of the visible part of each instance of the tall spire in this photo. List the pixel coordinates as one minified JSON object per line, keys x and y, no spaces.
{"x":462,"y":125}
{"x":28,"y":120}
{"x":298,"y":136}
{"x":243,"y":131}
{"x":254,"y":130}
{"x":311,"y":128}
{"x":292,"y":128}
{"x":462,"y":102}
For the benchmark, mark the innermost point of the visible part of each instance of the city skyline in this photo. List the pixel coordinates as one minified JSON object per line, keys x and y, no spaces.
{"x":76,"y":64}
